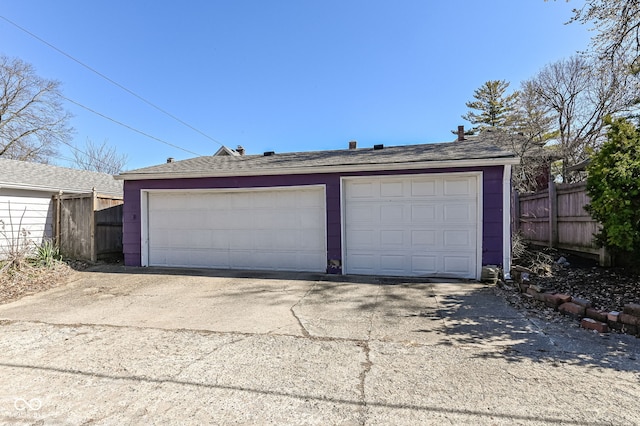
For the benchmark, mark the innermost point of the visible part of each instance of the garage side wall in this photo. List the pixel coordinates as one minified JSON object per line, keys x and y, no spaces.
{"x":28,"y":211}
{"x":492,"y":206}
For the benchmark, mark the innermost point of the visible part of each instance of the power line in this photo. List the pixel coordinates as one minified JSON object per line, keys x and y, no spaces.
{"x":115,"y":83}
{"x":129,"y":127}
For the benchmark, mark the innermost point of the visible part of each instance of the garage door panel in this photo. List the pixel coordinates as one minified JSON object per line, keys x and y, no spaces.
{"x":392,"y":237}
{"x":457,"y":238}
{"x":422,"y":188}
{"x":391,"y":213}
{"x":423,"y":264}
{"x":359,"y":261}
{"x":456,"y":264}
{"x":362,"y":189}
{"x":412,"y":225}
{"x":159,"y":255}
{"x":423,"y":213}
{"x":200,"y":258}
{"x":456,"y":187}
{"x":311,"y":218}
{"x":361,"y":238}
{"x":217,"y":219}
{"x":391,"y":189}
{"x":220,"y":239}
{"x":238,"y":201}
{"x":359,"y":214}
{"x":393,"y":264}
{"x":459,"y":212}
{"x":281,"y":229}
{"x":287,"y":238}
{"x":199,"y":238}
{"x":424,"y":237}
{"x":307,"y":261}
{"x":308,"y":200}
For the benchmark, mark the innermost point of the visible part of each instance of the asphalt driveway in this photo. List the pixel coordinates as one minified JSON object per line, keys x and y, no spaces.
{"x":149,"y":346}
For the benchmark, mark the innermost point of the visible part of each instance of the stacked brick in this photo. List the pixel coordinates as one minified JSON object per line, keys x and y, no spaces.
{"x":627,"y":321}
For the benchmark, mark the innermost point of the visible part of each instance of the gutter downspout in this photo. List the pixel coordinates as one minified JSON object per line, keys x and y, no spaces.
{"x":506,"y":222}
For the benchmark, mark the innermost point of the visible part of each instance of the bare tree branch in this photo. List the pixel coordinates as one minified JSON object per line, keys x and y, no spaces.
{"x":32,"y":119}
{"x":100,"y":158}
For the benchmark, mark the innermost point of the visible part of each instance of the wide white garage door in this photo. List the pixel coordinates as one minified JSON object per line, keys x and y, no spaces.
{"x":412,"y":225}
{"x":281,"y":229}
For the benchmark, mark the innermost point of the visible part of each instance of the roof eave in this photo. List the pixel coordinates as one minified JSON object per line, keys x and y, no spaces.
{"x":55,"y":190}
{"x":323,"y":169}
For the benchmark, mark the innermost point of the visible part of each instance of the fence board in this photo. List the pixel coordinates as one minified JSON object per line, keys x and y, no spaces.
{"x":557,"y":218}
{"x":89,"y":226}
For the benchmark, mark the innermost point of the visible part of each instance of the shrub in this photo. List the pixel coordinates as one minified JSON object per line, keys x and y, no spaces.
{"x":47,"y":254}
{"x":613,"y":184}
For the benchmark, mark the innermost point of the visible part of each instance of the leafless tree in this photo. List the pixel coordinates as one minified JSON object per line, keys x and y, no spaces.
{"x":532,"y":118}
{"x":100,"y":158}
{"x":533,"y":170}
{"x":579,"y":93}
{"x":617,"y":30}
{"x":32,"y":119}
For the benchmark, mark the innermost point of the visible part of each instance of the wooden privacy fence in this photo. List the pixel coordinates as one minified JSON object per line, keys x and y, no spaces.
{"x":88,"y":226}
{"x":556,"y":218}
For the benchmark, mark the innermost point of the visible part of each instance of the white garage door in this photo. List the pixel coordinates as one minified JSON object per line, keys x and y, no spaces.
{"x":282,"y":229}
{"x":411,"y":226}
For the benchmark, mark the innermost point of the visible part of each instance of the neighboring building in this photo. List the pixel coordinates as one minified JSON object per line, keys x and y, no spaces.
{"x":418,"y":210}
{"x":26,"y":191}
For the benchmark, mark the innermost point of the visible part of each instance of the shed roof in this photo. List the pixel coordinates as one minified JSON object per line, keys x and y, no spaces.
{"x":478,"y":151}
{"x":17,"y":174}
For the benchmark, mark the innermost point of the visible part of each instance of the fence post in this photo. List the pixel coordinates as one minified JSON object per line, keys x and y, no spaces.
{"x":604,"y":257}
{"x":58,"y":221}
{"x":94,"y":202}
{"x":553,"y":214}
{"x":516,"y":212}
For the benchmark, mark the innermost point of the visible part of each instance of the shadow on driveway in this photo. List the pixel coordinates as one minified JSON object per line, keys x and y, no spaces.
{"x":484,"y":320}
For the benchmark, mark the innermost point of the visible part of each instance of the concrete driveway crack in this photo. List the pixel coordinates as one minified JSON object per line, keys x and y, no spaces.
{"x":367,"y":364}
{"x":304,"y":331}
{"x":366,"y":368}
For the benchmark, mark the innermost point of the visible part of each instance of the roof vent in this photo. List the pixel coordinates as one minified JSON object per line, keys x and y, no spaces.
{"x":353,"y":144}
{"x":379,"y":146}
{"x":170,"y":160}
{"x":240,"y":150}
{"x":269,"y":153}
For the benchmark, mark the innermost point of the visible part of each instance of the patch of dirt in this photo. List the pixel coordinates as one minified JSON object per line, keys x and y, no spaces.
{"x":608,"y":289}
{"x":16,"y":283}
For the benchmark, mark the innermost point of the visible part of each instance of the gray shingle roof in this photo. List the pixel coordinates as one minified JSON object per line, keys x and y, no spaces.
{"x":476,"y":149}
{"x":44,"y":177}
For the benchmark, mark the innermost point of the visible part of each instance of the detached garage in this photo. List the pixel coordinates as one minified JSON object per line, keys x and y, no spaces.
{"x":438,"y":210}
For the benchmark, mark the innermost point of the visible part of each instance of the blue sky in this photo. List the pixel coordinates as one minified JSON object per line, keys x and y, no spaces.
{"x":282,"y":75}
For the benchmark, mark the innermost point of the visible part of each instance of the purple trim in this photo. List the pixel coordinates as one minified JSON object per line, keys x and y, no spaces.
{"x":492,"y":205}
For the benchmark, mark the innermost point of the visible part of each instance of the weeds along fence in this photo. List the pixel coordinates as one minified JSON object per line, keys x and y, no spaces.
{"x":555,"y":217}
{"x":88,"y":226}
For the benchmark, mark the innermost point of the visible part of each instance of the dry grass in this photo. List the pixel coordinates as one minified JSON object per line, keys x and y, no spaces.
{"x":17,"y":282}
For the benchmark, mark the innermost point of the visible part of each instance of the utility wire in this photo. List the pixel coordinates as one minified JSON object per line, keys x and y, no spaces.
{"x":129,"y":127}
{"x":115,"y":83}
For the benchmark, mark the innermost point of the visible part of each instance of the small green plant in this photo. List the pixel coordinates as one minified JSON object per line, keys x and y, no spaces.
{"x":613,"y":185}
{"x":47,"y":254}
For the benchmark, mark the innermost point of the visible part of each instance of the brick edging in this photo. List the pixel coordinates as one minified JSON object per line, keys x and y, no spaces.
{"x":627,"y":321}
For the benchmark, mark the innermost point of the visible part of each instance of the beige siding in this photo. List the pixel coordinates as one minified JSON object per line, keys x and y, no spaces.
{"x":31,"y":211}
